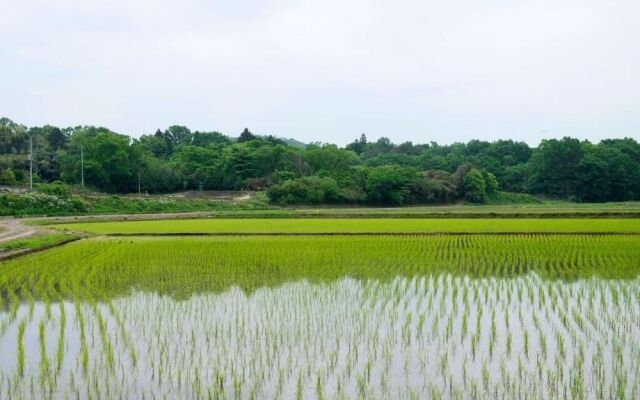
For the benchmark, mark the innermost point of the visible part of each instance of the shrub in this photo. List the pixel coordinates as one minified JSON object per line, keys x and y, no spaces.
{"x":34,"y":203}
{"x":55,"y":189}
{"x":8,"y":177}
{"x":435,"y":187}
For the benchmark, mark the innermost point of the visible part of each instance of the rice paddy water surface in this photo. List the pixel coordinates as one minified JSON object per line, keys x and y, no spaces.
{"x":477,"y":316}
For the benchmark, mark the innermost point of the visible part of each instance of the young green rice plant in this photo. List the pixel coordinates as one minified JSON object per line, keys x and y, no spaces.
{"x":354,"y":225}
{"x":44,"y":360}
{"x":485,"y":377}
{"x":60,"y":348}
{"x":21,"y":328}
{"x":525,"y":343}
{"x":47,"y":305}
{"x":332,"y":317}
{"x":84,"y":352}
{"x":492,"y":338}
{"x":464,"y":325}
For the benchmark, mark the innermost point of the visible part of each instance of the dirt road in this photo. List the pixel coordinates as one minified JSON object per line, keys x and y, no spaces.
{"x":14,"y":229}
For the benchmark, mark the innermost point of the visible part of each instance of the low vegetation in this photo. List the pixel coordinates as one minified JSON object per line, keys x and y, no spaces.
{"x":63,"y":202}
{"x":40,"y":241}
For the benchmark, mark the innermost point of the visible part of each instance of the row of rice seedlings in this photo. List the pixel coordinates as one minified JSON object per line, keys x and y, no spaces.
{"x":404,"y":335}
{"x":370,"y":362}
{"x":333,"y":225}
{"x":159,"y":264}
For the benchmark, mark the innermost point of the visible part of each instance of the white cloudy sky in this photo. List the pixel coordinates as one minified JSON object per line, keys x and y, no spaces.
{"x":327,"y":70}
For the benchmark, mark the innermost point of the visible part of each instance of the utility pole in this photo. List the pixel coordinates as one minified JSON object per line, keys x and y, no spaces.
{"x":139,"y":184}
{"x":82,"y":167}
{"x":30,"y":163}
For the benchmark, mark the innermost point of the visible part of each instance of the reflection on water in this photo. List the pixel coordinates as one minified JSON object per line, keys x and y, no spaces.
{"x":414,"y":317}
{"x":180,"y":267}
{"x":407,"y":337}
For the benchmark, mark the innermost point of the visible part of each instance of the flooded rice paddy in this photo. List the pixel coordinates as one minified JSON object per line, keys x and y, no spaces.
{"x":540,"y":316}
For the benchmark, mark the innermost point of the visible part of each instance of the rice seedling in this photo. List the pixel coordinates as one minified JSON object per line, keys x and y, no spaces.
{"x":20,"y":348}
{"x":483,"y":316}
{"x":356,"y":225}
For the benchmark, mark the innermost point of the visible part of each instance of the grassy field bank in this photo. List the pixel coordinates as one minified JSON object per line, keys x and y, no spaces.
{"x":357,"y":225}
{"x":52,"y":200}
{"x":65,"y":203}
{"x":42,"y":241}
{"x":549,"y":209}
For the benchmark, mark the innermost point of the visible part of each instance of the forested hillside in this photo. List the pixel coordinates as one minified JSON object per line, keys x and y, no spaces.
{"x":374,"y":172}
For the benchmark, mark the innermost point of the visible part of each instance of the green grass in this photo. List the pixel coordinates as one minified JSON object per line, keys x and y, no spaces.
{"x":356,"y":225}
{"x":503,"y":198}
{"x":161,"y":204}
{"x":36,"y":242}
{"x":502,"y":207}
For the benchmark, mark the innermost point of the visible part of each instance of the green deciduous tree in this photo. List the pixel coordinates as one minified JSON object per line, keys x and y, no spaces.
{"x":552,"y":168}
{"x":490,"y":181}
{"x":390,"y":184}
{"x":474,"y":186}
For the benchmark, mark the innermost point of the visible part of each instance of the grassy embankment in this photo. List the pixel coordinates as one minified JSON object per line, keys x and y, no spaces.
{"x":48,"y":204}
{"x":242,"y":204}
{"x":18,"y":247}
{"x":544,"y":210}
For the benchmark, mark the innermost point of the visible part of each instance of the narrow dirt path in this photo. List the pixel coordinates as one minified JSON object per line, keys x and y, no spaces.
{"x":14,"y":229}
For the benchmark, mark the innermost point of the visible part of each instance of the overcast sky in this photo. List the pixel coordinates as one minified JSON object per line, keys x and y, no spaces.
{"x":327,"y":70}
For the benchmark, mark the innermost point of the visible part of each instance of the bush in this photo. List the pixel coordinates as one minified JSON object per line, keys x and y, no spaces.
{"x":55,"y":189}
{"x":8,"y":177}
{"x":434,"y":187}
{"x":35,"y":203}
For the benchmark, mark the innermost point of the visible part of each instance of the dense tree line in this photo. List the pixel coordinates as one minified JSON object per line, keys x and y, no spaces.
{"x":376,"y":172}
